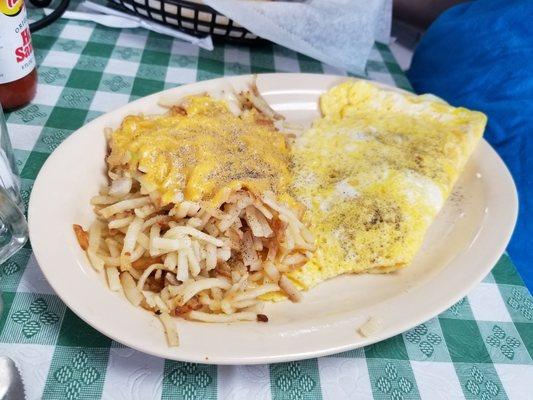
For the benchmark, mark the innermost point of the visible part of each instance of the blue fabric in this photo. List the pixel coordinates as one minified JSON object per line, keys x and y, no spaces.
{"x":480,"y":55}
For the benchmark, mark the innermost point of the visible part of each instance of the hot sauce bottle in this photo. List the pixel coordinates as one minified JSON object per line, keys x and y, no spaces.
{"x":18,"y":76}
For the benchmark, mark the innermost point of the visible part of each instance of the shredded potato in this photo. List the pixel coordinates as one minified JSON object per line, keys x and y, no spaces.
{"x":193,"y":287}
{"x":113,"y":279}
{"x":288,"y":287}
{"x":96,"y":261}
{"x":124,"y":205}
{"x":130,"y":289}
{"x":81,"y":236}
{"x":194,"y":260}
{"x":207,"y":317}
{"x":170,"y":329}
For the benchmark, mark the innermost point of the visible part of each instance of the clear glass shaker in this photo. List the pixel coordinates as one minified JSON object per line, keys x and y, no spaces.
{"x":13,"y":226}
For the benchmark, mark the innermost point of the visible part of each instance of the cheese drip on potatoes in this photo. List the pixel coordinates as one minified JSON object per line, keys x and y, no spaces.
{"x":201,"y":148}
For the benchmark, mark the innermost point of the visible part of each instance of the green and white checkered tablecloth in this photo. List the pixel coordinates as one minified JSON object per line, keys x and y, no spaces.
{"x":481,"y":348}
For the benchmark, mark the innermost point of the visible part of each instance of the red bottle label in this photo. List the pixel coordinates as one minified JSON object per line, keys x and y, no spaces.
{"x":16,"y":51}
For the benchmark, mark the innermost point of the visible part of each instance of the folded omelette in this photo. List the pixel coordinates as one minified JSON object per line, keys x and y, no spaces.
{"x":374,"y":171}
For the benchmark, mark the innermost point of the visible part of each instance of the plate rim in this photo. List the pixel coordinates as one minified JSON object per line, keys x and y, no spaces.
{"x":512,"y":210}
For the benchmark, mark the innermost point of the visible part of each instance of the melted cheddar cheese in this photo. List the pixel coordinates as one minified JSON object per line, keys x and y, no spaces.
{"x":200,"y":149}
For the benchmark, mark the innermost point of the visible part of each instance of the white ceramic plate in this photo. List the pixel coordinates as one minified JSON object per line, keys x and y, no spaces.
{"x":463,"y":244}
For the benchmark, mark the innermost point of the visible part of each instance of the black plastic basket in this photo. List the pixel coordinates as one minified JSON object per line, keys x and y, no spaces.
{"x":192,"y":17}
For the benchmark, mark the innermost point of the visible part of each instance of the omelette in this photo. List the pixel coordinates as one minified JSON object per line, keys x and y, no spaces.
{"x":373,"y":172}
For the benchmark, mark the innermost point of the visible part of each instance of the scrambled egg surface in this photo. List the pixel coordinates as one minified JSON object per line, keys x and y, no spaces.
{"x":373,"y":172}
{"x":200,"y":148}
